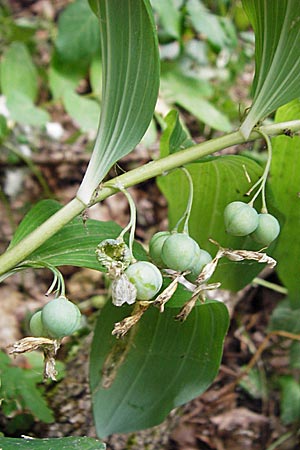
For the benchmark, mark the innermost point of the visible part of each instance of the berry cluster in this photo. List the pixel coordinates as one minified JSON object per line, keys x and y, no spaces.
{"x":179,"y":252}
{"x":57,"y":319}
{"x":241,"y":219}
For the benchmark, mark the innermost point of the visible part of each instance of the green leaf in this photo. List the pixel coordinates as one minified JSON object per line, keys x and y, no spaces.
{"x":96,"y":77}
{"x":18,"y":73}
{"x":84,"y":111}
{"x":174,"y":136}
{"x":130,"y":63}
{"x":23,"y":110}
{"x":63,"y":76}
{"x":4,"y":130}
{"x":17,"y":387}
{"x":76,"y":443}
{"x":295,"y":355}
{"x":188,"y":92}
{"x":218,"y":31}
{"x":160,"y":365}
{"x":285,"y":181}
{"x":169,"y":16}
{"x":74,"y":244}
{"x":78,"y":34}
{"x":277,"y":57}
{"x":290,"y":400}
{"x":217,"y":182}
{"x":285,"y":318}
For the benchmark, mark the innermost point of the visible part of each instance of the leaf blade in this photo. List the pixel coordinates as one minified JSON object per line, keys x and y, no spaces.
{"x":277,"y":77}
{"x":130,"y":84}
{"x":167,"y":364}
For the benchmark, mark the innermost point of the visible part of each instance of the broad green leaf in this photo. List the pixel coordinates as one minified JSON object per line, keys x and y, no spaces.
{"x":290,"y":400}
{"x":16,"y":387}
{"x":67,"y":443}
{"x":78,"y":34}
{"x":4,"y":130}
{"x":84,"y":111}
{"x":96,"y":76}
{"x":285,"y":181}
{"x":18,"y":73}
{"x":161,"y":364}
{"x":130,"y":63}
{"x":219,"y":31}
{"x":217,"y":182}
{"x":277,"y":57}
{"x":190,"y":93}
{"x":295,"y":355}
{"x":285,"y":318}
{"x":174,"y":136}
{"x":23,"y":110}
{"x":63,"y":76}
{"x":74,"y":244}
{"x":169,"y":16}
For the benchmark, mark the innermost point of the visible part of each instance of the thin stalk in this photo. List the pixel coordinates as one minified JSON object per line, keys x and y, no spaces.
{"x":262,"y":181}
{"x":187,"y":212}
{"x":269,"y":285}
{"x":15,"y":255}
{"x":132,"y":223}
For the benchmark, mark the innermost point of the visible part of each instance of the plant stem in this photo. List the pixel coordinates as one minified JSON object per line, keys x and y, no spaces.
{"x":12,"y":257}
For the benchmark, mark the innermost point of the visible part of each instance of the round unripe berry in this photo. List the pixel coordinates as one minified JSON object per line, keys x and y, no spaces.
{"x":60,"y":317}
{"x":155,"y":246}
{"x":36,"y":325}
{"x":240,"y":219}
{"x":199,"y":262}
{"x":179,"y":251}
{"x":267,"y":230}
{"x":146,"y":278}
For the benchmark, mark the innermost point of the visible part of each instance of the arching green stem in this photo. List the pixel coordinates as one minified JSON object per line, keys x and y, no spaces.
{"x":262,"y":181}
{"x":18,"y":253}
{"x":132,"y":222}
{"x":187,"y":212}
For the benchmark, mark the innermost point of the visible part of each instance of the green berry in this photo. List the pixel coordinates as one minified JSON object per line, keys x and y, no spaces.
{"x":240,"y":219}
{"x":60,"y":317}
{"x":36,"y":325}
{"x":155,"y":246}
{"x":199,"y":262}
{"x":179,"y":251}
{"x":267,"y":230}
{"x":146,"y":278}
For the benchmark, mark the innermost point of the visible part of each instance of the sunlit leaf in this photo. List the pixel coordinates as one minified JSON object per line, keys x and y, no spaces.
{"x":18,"y":73}
{"x":162,"y":364}
{"x":130,"y":63}
{"x":277,"y":56}
{"x":84,"y":111}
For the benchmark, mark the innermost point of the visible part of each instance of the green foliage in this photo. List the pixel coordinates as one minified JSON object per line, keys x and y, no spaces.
{"x":78,"y":36}
{"x":290,"y":400}
{"x":76,"y":443}
{"x":277,"y":57}
{"x":174,"y":136}
{"x":285,"y":164}
{"x":19,"y":394}
{"x":161,"y":364}
{"x":217,"y":182}
{"x":19,"y":83}
{"x":130,"y":84}
{"x":74,"y":244}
